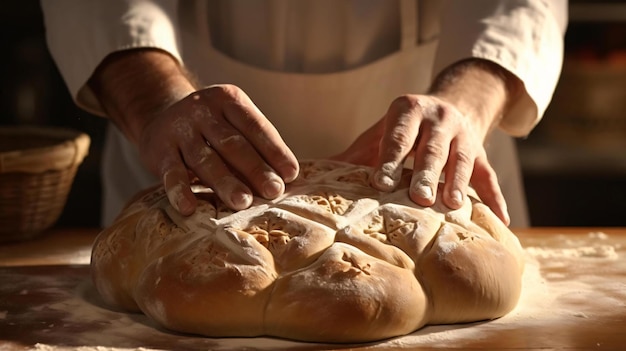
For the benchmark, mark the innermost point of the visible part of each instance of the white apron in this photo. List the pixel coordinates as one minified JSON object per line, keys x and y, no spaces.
{"x":318,"y":115}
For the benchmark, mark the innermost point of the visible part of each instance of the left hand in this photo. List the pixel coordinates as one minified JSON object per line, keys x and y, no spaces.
{"x":442,"y":141}
{"x":444,"y":131}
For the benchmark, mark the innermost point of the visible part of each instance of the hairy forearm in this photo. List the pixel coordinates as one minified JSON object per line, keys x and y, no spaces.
{"x":134,"y":85}
{"x":480,"y":89}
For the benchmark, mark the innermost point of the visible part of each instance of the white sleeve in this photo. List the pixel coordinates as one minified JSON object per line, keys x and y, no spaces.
{"x":81,"y":33}
{"x":523,"y":36}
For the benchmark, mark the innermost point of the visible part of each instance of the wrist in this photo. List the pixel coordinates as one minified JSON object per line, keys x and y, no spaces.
{"x":135,"y":85}
{"x":481,"y":90}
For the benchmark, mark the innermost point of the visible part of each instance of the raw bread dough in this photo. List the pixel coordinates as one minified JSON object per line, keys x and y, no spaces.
{"x":333,"y":260}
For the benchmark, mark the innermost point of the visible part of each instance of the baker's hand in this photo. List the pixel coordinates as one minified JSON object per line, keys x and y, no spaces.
{"x":219,"y":135}
{"x":444,"y":131}
{"x":442,"y":142}
{"x":215,"y":134}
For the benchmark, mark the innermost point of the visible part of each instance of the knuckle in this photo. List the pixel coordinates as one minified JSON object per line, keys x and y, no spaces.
{"x":180,"y":128}
{"x":405,"y":102}
{"x":401,"y":139}
{"x":463,"y":158}
{"x":232,"y":144}
{"x":434,"y":149}
{"x":255,"y":125}
{"x":221,"y":91}
{"x":230,"y":90}
{"x":437,"y":116}
{"x":198,"y":158}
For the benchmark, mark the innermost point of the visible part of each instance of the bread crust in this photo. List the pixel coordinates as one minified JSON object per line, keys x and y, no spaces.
{"x":332,"y":260}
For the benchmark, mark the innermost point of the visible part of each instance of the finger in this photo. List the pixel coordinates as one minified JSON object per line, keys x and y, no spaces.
{"x":485,"y":182}
{"x":238,"y":154}
{"x":431,"y":155}
{"x":402,"y":124}
{"x":458,"y":172}
{"x":176,"y":183}
{"x":208,"y":166}
{"x":245,"y":116}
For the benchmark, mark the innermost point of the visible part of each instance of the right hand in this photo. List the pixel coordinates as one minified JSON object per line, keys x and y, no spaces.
{"x":218,"y":135}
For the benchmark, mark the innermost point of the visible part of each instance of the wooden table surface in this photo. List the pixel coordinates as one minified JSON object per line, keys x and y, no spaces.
{"x":574,"y":298}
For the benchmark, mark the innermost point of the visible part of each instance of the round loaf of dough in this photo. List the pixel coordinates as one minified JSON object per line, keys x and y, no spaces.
{"x":346,"y":295}
{"x":332,"y":260}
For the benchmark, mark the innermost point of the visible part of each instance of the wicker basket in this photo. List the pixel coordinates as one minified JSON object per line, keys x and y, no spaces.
{"x":37,"y":169}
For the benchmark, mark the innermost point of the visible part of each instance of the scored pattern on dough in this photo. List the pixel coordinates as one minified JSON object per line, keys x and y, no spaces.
{"x":272,"y":231}
{"x":332,"y":260}
{"x":389,"y":229}
{"x":331,"y":202}
{"x":355,"y":266}
{"x":205,"y":257}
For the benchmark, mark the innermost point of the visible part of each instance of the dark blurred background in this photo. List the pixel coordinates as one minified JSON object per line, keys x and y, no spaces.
{"x":32,"y":92}
{"x":574,"y":162}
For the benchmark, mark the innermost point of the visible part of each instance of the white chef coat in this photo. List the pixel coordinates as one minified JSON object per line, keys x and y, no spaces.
{"x":321,"y":70}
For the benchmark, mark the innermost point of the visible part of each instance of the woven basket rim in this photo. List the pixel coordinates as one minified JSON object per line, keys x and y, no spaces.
{"x":71,"y":149}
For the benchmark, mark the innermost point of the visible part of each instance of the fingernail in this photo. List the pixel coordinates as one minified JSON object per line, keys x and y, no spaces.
{"x":384,"y":177}
{"x":424,"y":191}
{"x":291,"y":173}
{"x":178,"y":200}
{"x":507,"y":218}
{"x":184,"y":206}
{"x":457,"y":197}
{"x":383,"y":181}
{"x":272,"y":188}
{"x":241,"y":200}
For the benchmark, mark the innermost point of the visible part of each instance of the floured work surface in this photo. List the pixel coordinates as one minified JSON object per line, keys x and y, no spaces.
{"x":574,"y":297}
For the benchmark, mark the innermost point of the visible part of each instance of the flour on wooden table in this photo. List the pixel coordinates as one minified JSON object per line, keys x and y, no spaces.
{"x":589,"y":246}
{"x":550,"y":295}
